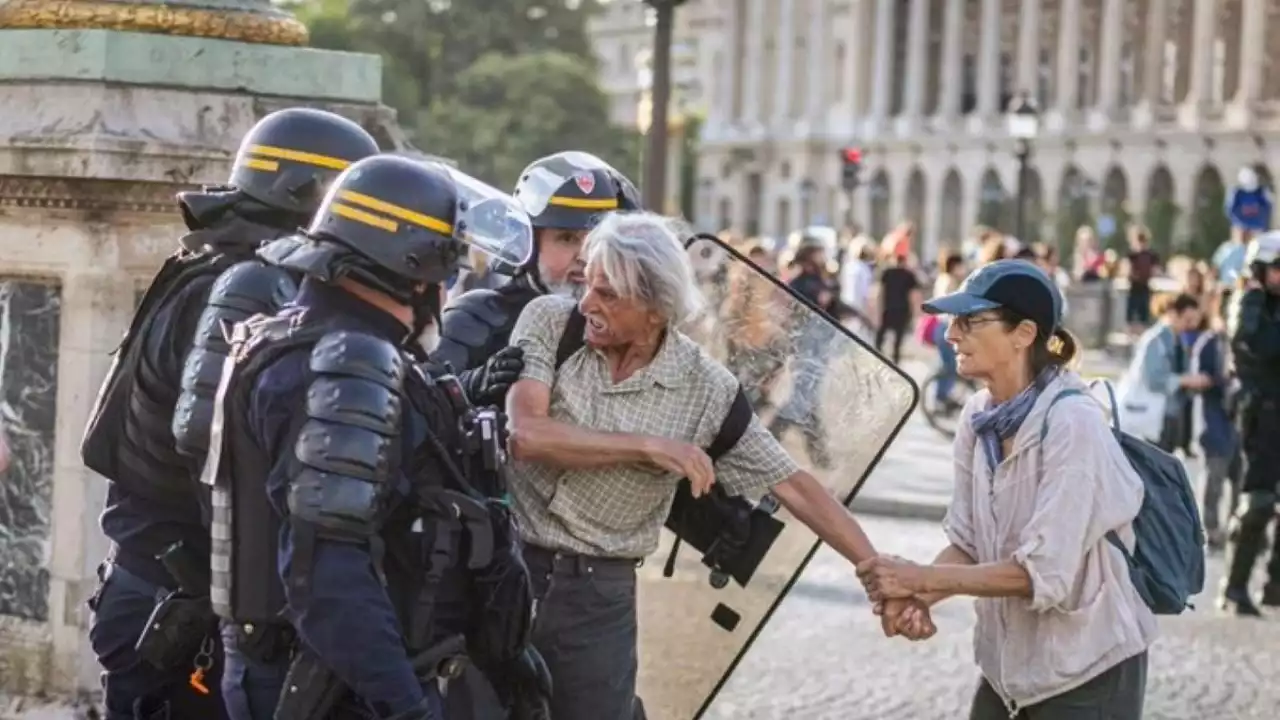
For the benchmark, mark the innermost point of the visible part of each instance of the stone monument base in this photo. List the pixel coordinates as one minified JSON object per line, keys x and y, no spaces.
{"x":105,"y":127}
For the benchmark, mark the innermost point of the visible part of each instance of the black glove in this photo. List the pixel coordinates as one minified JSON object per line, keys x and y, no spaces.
{"x":488,"y":385}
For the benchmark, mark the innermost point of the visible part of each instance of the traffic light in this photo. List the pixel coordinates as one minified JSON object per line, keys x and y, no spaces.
{"x":850,"y":163}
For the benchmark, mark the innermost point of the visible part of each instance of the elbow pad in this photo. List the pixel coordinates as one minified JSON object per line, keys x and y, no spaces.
{"x":244,"y":290}
{"x":349,"y":448}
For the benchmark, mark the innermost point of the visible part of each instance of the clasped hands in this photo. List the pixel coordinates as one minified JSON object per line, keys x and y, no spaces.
{"x":896,"y":588}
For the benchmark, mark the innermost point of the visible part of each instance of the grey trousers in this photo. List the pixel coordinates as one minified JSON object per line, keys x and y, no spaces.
{"x":1116,"y":694}
{"x":1216,"y":471}
{"x":586,"y":632}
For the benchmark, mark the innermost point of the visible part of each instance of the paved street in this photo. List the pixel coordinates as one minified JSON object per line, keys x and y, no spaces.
{"x":823,"y":657}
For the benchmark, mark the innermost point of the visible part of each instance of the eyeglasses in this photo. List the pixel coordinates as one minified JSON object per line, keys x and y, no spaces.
{"x":966,"y":323}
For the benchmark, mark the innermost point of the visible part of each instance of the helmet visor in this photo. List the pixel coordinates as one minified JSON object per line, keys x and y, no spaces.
{"x":491,"y":221}
{"x":539,"y":184}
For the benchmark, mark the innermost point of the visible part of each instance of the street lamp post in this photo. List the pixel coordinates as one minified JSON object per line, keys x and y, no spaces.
{"x":655,"y":158}
{"x":1024,"y":125}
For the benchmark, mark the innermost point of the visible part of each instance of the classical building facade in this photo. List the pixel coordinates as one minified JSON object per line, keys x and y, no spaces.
{"x":1148,"y":107}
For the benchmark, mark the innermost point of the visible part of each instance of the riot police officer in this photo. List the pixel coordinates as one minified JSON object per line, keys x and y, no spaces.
{"x":1254,"y":329}
{"x":377,"y":561}
{"x":564,"y":195}
{"x":160,"y":542}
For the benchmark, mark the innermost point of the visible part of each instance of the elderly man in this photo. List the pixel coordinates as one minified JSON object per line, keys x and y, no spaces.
{"x":601,"y":443}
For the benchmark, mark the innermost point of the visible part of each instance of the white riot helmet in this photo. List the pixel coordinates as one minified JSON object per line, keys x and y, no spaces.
{"x":1263,"y":250}
{"x":1247,"y":179}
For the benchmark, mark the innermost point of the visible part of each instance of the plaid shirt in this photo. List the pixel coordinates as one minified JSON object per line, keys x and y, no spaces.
{"x":683,"y":394}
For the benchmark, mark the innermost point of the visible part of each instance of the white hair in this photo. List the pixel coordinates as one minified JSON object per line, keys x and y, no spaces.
{"x":643,"y":259}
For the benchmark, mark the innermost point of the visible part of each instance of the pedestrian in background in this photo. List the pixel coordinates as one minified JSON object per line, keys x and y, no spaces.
{"x":1144,"y":265}
{"x":898,"y":296}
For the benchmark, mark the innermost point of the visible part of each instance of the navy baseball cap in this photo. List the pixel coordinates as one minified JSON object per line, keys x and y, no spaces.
{"x":1017,"y":285}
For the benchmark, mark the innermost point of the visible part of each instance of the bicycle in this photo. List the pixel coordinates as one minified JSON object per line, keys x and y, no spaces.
{"x":944,"y":416}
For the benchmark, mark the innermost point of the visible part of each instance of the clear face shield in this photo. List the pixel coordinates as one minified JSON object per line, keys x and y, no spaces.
{"x":491,"y":221}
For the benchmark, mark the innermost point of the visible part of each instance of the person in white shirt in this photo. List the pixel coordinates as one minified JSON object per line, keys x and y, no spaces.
{"x":1062,"y":631}
{"x":858,"y":278}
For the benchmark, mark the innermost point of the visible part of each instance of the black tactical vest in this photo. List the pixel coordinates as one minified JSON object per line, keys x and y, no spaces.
{"x":246,"y":585}
{"x":128,"y":439}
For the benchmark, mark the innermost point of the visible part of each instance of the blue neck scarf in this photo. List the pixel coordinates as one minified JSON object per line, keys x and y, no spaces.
{"x":1000,"y":422}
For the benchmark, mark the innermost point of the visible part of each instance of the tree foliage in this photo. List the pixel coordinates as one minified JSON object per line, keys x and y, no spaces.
{"x":492,"y":84}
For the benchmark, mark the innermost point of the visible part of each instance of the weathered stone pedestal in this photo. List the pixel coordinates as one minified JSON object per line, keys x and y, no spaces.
{"x":98,"y":129}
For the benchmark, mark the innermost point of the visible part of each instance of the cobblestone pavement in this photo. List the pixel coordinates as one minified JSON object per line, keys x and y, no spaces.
{"x":823,"y":657}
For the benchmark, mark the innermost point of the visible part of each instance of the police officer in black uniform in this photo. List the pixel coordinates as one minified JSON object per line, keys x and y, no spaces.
{"x":376,"y":561}
{"x":160,"y":542}
{"x":1254,"y":329}
{"x":564,"y":195}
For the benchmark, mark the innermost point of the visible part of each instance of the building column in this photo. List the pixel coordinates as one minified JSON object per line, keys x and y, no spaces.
{"x":952,"y":81}
{"x":857,"y":63}
{"x":882,"y":85}
{"x":1253,"y":58}
{"x":1109,"y":64}
{"x":1028,"y":76}
{"x":1204,"y":32}
{"x":1067,"y":95}
{"x":917,"y":67}
{"x":723,"y":100}
{"x":753,"y":66}
{"x":820,"y":67}
{"x":988,"y":65}
{"x":1156,"y":27}
{"x":785,"y":47}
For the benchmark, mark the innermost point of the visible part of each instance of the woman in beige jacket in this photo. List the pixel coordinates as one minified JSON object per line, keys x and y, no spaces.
{"x":1062,"y":632}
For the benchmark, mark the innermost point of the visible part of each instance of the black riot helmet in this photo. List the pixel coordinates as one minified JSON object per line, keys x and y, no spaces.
{"x":403,"y":226}
{"x":571,"y":190}
{"x":289,"y":158}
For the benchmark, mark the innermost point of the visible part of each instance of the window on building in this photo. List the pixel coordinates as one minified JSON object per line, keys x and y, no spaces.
{"x":799,"y":69}
{"x":1169,"y":72}
{"x":738,"y":58}
{"x":1128,"y":75}
{"x":969,"y":84}
{"x":783,"y":226}
{"x":1044,"y":79}
{"x":1219,"y":82}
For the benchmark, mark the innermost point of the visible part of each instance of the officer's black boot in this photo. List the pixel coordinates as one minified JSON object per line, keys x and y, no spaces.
{"x":1248,"y":537}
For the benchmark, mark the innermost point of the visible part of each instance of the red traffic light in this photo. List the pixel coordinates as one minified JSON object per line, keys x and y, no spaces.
{"x":851,"y":155}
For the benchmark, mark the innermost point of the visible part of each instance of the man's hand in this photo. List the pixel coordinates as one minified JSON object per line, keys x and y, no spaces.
{"x":489,"y":385}
{"x":909,"y":618}
{"x":886,"y":577}
{"x":1198,"y":381}
{"x":685,"y":460}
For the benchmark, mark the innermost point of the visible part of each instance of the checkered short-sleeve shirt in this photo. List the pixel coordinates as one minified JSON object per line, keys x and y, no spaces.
{"x":683,"y":394}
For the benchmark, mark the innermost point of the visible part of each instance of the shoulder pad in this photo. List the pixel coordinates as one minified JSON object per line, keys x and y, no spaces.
{"x":476,"y":324}
{"x":245,"y":289}
{"x":360,"y":355}
{"x":348,"y":449}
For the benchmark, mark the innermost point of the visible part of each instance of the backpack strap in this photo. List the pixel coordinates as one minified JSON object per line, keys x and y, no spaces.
{"x":1044,"y":429}
{"x":571,"y":340}
{"x":733,"y":427}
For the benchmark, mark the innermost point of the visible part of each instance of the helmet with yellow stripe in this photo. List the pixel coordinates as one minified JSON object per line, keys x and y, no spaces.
{"x":571,"y":190}
{"x":401,"y":225}
{"x":289,"y":158}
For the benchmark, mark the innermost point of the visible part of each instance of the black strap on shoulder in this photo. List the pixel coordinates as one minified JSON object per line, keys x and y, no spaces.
{"x":733,"y":427}
{"x":571,"y":340}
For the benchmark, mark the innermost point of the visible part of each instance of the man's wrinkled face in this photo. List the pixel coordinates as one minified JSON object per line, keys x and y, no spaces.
{"x":560,"y":264}
{"x":613,"y":320}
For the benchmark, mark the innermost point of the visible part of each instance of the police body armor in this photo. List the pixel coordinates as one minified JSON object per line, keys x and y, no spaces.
{"x":477,"y":324}
{"x":346,"y":460}
{"x":128,"y":439}
{"x":248,"y":288}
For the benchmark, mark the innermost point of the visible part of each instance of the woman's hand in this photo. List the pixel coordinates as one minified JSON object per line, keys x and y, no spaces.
{"x":909,"y":618}
{"x":887,"y":577}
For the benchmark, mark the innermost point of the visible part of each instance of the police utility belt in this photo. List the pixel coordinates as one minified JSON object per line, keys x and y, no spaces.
{"x":180,"y":631}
